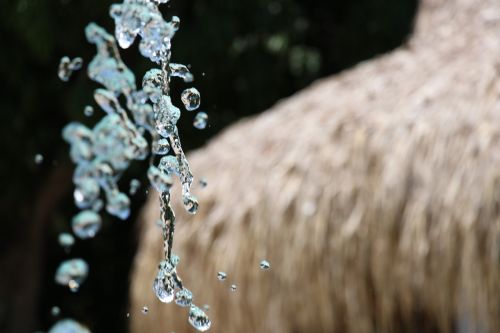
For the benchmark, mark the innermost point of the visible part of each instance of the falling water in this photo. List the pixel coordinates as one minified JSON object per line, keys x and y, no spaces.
{"x":103,"y":153}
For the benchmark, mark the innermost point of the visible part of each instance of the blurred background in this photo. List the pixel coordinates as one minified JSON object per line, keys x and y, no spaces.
{"x":245,"y":55}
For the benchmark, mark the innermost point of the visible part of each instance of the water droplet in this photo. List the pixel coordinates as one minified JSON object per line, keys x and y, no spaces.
{"x":206,"y":307}
{"x":179,"y":70}
{"x":191,"y":99}
{"x":233,"y":287}
{"x":183,"y":297}
{"x":68,"y":326}
{"x":221,"y":276}
{"x":203,"y":183}
{"x":152,"y":83}
{"x":198,"y":319}
{"x":86,"y":224}
{"x":135,"y":184}
{"x":118,"y":205}
{"x":265,"y":265}
{"x":166,"y":116}
{"x":76,"y":64}
{"x":72,"y":273}
{"x":160,"y":147}
{"x":164,"y":283}
{"x":38,"y":158}
{"x":176,"y":22}
{"x":67,"y":66}
{"x":88,"y":111}
{"x":73,"y":286}
{"x":160,"y":180}
{"x":190,"y":203}
{"x":66,"y":240}
{"x":128,"y":315}
{"x":55,"y":311}
{"x":145,"y":310}
{"x":200,"y":121}
{"x":64,"y":72}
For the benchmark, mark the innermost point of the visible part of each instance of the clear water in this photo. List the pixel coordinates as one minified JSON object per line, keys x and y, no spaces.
{"x":138,"y":123}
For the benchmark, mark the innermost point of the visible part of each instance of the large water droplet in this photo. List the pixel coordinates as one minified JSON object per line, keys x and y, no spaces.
{"x":198,"y":319}
{"x":264,"y":265}
{"x":183,"y":297}
{"x":72,"y":273}
{"x":86,"y":224}
{"x":191,"y":99}
{"x":68,"y":326}
{"x":200,"y":120}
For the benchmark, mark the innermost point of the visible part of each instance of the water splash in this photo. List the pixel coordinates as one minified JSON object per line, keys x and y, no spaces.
{"x":72,"y":273}
{"x":68,"y":326}
{"x":103,"y":153}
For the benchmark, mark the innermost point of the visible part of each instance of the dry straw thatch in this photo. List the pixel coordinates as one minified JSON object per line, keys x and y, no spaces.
{"x":375,"y":195}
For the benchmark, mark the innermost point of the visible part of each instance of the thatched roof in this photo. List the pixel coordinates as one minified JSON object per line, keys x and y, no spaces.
{"x":375,"y":195}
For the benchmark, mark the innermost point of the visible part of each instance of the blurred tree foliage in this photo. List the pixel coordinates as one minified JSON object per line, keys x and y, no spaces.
{"x":245,"y":55}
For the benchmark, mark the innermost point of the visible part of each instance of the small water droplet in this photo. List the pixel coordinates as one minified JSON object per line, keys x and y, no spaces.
{"x":86,"y":224}
{"x":73,"y":286}
{"x":66,"y":240}
{"x":88,"y":111}
{"x":206,"y":307}
{"x":203,"y":183}
{"x":55,"y":311}
{"x":135,"y":184}
{"x":191,"y":99}
{"x":145,"y":310}
{"x":200,"y":120}
{"x":233,"y":287}
{"x":190,"y":203}
{"x":128,"y":315}
{"x":68,"y":326}
{"x":221,"y":276}
{"x":38,"y":158}
{"x":265,"y":265}
{"x":198,"y":319}
{"x":67,"y":66}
